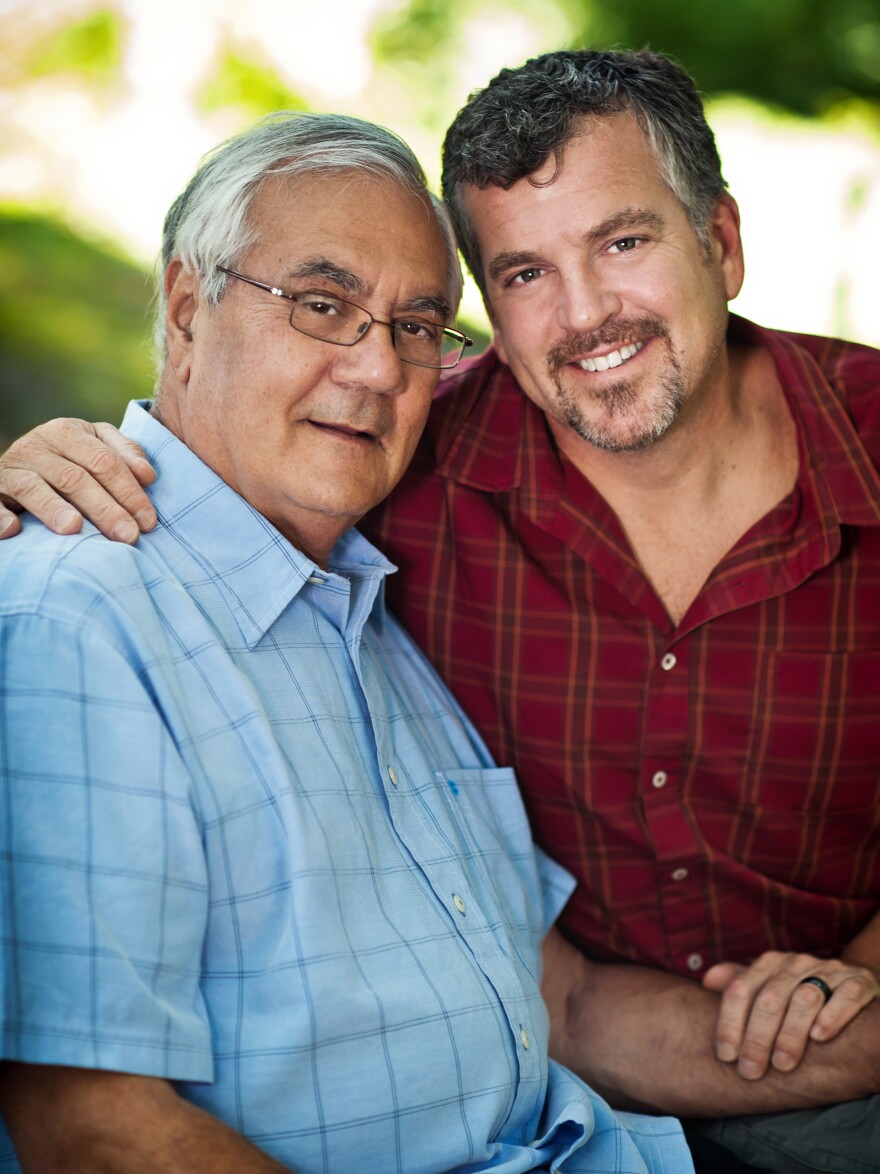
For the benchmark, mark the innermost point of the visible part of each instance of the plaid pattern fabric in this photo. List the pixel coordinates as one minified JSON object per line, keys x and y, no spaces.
{"x":715,"y":787}
{"x":250,"y":844}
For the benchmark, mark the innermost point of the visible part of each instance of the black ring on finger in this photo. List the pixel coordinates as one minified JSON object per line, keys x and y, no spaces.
{"x":815,"y":980}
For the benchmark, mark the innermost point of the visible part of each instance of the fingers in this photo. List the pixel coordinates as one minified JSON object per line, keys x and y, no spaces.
{"x":131,"y":453}
{"x":9,"y":523}
{"x":30,"y":491}
{"x":768,"y":1016}
{"x":68,"y":469}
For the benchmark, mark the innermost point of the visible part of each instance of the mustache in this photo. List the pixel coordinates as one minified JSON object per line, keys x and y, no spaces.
{"x":621,"y":331}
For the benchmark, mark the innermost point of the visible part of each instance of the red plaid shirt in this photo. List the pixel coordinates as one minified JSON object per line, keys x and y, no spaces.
{"x":715,"y":786}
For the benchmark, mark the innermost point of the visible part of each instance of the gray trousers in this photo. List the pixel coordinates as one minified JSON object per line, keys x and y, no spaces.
{"x":839,"y":1139}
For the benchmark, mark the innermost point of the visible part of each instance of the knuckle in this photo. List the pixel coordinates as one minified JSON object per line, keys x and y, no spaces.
{"x":802,"y":961}
{"x":103,"y":463}
{"x":769,"y":1003}
{"x":851,"y":990}
{"x":69,"y":479}
{"x":806,"y":996}
{"x":739,"y":990}
{"x":15,"y":481}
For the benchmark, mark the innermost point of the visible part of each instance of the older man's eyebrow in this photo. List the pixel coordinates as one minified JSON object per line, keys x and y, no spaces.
{"x":327,"y":270}
{"x":428,"y":304}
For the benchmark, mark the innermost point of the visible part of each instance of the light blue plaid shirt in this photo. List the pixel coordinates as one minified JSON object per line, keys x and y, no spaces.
{"x":251,"y":845}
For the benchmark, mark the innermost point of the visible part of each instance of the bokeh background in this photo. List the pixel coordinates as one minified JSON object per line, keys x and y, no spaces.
{"x":105,"y":107}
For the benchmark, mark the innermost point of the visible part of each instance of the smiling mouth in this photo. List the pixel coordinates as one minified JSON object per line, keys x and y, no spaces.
{"x":613,"y":359}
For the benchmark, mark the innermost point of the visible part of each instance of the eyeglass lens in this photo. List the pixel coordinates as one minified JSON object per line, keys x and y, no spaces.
{"x":334,"y":320}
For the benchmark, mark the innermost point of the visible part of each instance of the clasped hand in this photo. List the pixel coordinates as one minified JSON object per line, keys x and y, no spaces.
{"x":768,"y":1015}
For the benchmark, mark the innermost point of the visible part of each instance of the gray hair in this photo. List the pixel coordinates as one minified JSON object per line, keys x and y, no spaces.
{"x":507,"y":131}
{"x":208,"y":224}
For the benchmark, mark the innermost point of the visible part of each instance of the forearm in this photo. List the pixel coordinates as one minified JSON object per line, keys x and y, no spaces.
{"x":645,"y":1039}
{"x":74,"y":1120}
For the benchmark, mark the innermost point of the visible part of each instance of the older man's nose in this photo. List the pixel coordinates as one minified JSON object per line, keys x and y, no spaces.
{"x":372,"y":362}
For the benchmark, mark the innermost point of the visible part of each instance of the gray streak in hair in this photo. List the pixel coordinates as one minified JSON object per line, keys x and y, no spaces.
{"x":507,"y":131}
{"x":208,"y":224}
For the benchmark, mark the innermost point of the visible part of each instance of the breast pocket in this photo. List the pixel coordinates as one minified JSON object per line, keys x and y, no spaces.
{"x":812,"y":784}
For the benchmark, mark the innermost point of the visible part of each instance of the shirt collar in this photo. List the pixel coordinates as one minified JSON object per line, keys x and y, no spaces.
{"x":490,"y":436}
{"x":835,"y":463}
{"x":252,"y":564}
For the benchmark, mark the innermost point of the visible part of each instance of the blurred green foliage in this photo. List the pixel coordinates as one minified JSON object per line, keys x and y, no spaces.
{"x":255,"y":89}
{"x":801,"y":55}
{"x":74,"y":323}
{"x":74,"y":314}
{"x":91,"y":47}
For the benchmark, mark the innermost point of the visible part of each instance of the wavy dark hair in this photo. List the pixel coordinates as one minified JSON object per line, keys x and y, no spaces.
{"x":508,"y":130}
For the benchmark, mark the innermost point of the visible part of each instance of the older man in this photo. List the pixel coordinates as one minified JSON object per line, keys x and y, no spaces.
{"x":641,"y":541}
{"x":267,"y":903}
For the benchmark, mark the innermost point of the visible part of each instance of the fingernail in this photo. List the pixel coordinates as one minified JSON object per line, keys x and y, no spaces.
{"x":147,"y":469}
{"x":125,"y":532}
{"x":782,"y":1061}
{"x":146,"y":519}
{"x":727,"y":1053}
{"x":5,"y":523}
{"x":65,"y":518}
{"x":749,"y":1069}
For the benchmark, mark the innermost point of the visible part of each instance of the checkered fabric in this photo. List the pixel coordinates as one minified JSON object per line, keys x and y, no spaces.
{"x":250,"y":844}
{"x":714,"y":787}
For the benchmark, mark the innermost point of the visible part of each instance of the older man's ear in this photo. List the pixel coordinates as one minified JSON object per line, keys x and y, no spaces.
{"x":182,"y":292}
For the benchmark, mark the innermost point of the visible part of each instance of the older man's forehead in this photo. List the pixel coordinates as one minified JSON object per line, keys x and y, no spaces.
{"x":309,"y":227}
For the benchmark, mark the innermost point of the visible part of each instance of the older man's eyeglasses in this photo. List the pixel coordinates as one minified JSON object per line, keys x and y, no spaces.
{"x":332,"y":319}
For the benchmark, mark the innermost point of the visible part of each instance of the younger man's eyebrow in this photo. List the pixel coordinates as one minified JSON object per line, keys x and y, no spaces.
{"x":627,"y":220}
{"x":502,"y":262}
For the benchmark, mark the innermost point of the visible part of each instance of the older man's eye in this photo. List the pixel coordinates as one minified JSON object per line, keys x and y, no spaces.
{"x":320,"y":305}
{"x":626,"y":244}
{"x":422,"y":331}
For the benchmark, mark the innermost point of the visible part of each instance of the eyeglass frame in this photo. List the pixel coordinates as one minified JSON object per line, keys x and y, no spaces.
{"x":450,"y":332}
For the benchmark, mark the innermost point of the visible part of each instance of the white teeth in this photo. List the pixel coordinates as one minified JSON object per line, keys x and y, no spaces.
{"x":615,"y":359}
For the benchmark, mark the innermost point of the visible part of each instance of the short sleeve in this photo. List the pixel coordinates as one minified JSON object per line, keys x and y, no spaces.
{"x":557,"y":885}
{"x":103,"y":891}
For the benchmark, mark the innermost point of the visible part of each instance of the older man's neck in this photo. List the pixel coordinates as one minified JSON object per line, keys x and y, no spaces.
{"x":314,"y":534}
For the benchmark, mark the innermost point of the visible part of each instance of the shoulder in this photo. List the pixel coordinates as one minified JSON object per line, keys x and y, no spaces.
{"x":852,"y":372}
{"x":458,"y":393}
{"x":81,"y":580}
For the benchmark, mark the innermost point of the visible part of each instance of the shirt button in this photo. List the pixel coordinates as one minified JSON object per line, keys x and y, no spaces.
{"x":695,"y":961}
{"x":457,"y":901}
{"x":679,"y":874}
{"x":524,"y":1036}
{"x":668,"y":662}
{"x":392,"y":774}
{"x":316,"y":579}
{"x":659,"y":779}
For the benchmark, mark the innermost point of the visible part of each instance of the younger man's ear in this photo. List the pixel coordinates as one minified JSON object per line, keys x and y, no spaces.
{"x":726,"y":243}
{"x":182,"y":293}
